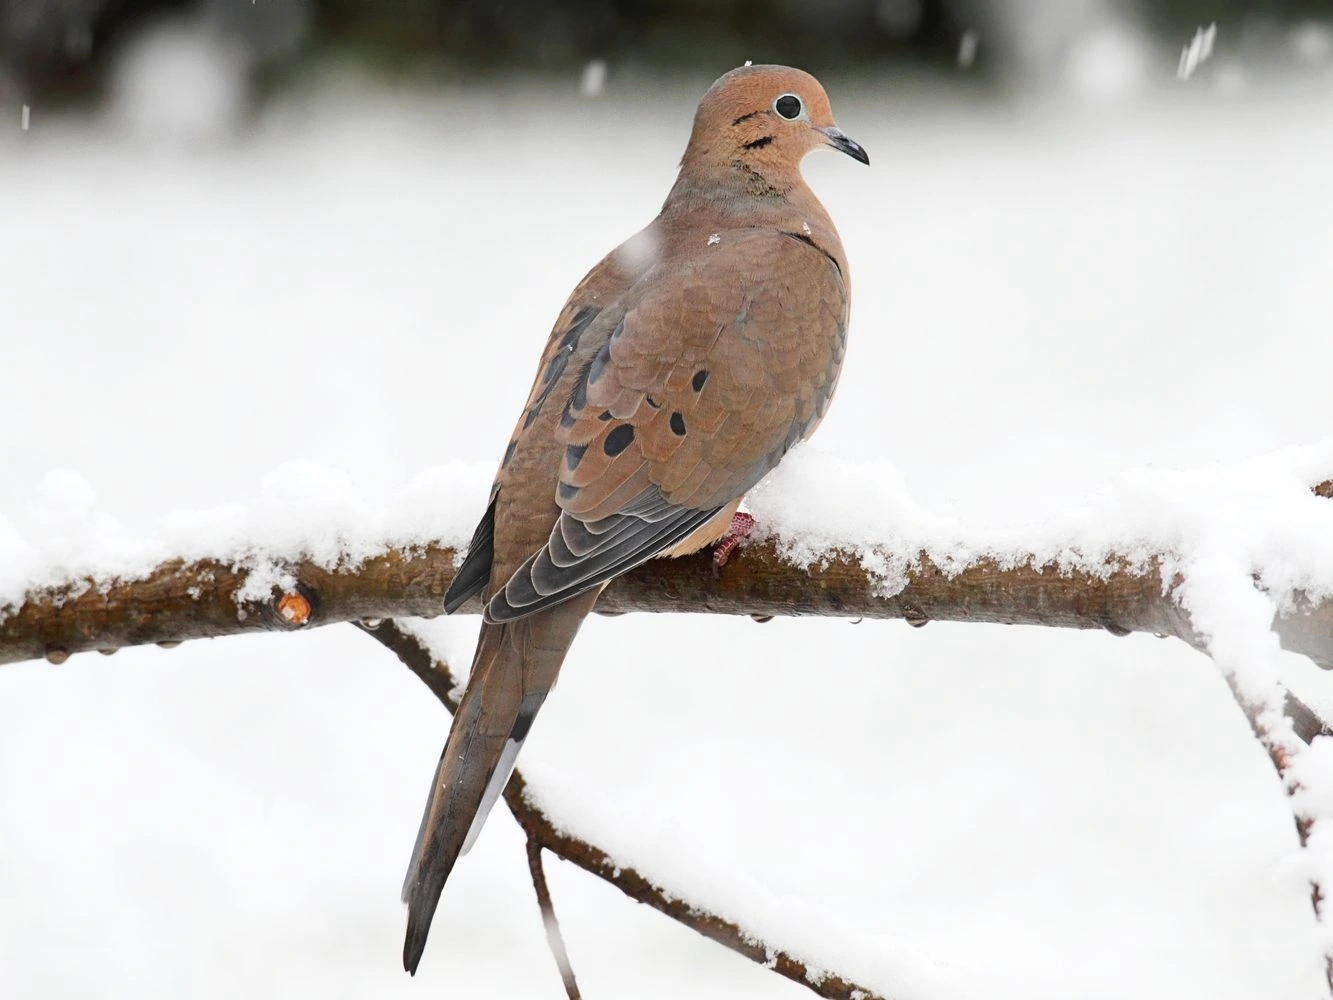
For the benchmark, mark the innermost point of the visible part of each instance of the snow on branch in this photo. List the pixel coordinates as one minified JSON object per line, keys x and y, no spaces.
{"x":1064,"y":576}
{"x":208,"y":598}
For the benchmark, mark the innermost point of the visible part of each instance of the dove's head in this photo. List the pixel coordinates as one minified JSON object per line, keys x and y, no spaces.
{"x":760,"y":121}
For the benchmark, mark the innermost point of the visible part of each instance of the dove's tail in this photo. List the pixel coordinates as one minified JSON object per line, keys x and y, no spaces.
{"x":514,"y":668}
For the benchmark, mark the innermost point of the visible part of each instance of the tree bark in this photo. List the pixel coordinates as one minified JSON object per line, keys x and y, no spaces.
{"x":179,"y":600}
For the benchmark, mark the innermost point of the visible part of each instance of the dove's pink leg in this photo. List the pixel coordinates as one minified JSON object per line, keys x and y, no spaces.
{"x":741,"y":526}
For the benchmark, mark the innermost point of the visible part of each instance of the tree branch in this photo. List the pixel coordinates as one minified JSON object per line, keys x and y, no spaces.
{"x":1281,"y":764}
{"x":554,"y":940}
{"x":207,"y":598}
{"x":435,"y":674}
{"x":204,"y":599}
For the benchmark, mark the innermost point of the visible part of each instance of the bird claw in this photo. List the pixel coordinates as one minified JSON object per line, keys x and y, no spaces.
{"x":741,"y":526}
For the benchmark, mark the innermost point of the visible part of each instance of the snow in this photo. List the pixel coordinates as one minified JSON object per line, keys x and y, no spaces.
{"x":1072,"y":332}
{"x":593,"y":80}
{"x":1109,"y":62}
{"x":1312,"y":42}
{"x":301,"y":510}
{"x":180,"y":80}
{"x":967,"y":49}
{"x":1260,"y":512}
{"x":1197,"y":52}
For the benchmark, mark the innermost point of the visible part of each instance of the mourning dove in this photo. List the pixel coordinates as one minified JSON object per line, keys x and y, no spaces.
{"x":681,"y":370}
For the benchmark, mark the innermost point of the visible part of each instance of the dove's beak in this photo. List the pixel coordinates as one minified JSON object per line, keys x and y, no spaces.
{"x":844,"y":143}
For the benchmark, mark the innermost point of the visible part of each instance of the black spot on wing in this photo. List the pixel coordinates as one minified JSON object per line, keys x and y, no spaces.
{"x":553,"y":372}
{"x":700,"y":377}
{"x":599,"y":364}
{"x":566,"y":492}
{"x":578,"y":399}
{"x":476,"y":569}
{"x":618,"y":440}
{"x":509,"y":453}
{"x":574,"y":455}
{"x":556,"y":366}
{"x":677,"y":424}
{"x":582,"y":319}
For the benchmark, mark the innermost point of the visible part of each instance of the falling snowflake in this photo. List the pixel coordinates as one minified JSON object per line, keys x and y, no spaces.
{"x":1196,"y":53}
{"x":594,"y":79}
{"x":967,"y":48}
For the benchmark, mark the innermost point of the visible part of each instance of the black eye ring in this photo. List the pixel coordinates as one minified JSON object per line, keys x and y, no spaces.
{"x":789,"y":107}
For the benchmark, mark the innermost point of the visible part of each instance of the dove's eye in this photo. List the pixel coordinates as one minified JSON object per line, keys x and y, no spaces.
{"x":788,"y":106}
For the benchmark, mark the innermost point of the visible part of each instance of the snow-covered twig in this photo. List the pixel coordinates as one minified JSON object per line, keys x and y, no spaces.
{"x":1233,"y":620}
{"x":543,"y":833}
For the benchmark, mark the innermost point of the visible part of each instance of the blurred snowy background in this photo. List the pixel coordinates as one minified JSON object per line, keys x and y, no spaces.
{"x":239,"y":242}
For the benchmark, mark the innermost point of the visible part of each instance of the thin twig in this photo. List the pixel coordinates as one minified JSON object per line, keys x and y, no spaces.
{"x":593,"y":860}
{"x":1304,"y":721}
{"x":554,"y":940}
{"x":435,"y":674}
{"x":1307,"y":725}
{"x":1304,"y":822}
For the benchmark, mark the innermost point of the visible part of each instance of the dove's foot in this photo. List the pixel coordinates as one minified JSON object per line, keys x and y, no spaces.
{"x":741,"y":526}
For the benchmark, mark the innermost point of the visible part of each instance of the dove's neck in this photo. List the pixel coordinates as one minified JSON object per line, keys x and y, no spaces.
{"x":708,"y":178}
{"x":741,"y":192}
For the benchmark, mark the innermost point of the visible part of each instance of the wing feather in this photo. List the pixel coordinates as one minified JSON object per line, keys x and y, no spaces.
{"x":705,"y":381}
{"x":542,"y":582}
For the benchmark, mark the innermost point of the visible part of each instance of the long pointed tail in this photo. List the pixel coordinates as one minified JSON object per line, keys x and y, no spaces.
{"x":514,"y":668}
